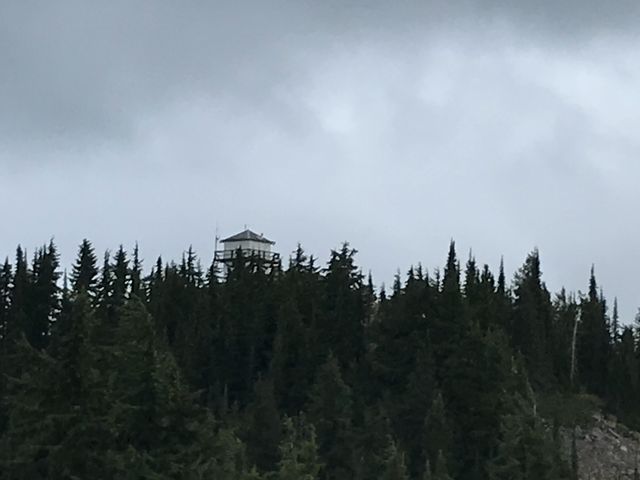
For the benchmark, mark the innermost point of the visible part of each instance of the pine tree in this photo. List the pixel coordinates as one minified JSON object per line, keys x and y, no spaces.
{"x":342,"y":330}
{"x":85,"y":271}
{"x":44,"y":296}
{"x":19,"y":297}
{"x":593,"y":340}
{"x":427,"y":474}
{"x":370,"y":442}
{"x":532,"y":319}
{"x":508,"y":462}
{"x":625,"y":376}
{"x":136,"y":274}
{"x":394,"y":464}
{"x":615,"y":324}
{"x":6,"y":279}
{"x":120,"y":284}
{"x":156,"y":414}
{"x":330,"y":410}
{"x":564,"y":322}
{"x":439,"y":435}
{"x":263,"y":427}
{"x":43,"y":442}
{"x":298,"y":451}
{"x":450,"y":323}
{"x":441,"y":472}
{"x":5,"y":309}
{"x":526,"y":450}
{"x":503,"y":303}
{"x":290,"y":362}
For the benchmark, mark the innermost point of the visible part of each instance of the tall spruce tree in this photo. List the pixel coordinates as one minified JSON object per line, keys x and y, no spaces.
{"x":298,"y":451}
{"x":263,"y":427}
{"x":394,"y":464}
{"x":342,"y":328}
{"x":330,"y":410}
{"x":450,"y":324}
{"x":44,"y":296}
{"x":593,"y":340}
{"x":532,"y":319}
{"x":85,"y":271}
{"x":6,"y":278}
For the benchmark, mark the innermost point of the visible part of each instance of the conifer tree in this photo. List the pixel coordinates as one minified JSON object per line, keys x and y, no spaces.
{"x":104,"y":288}
{"x":526,"y":450}
{"x":136,"y":274}
{"x":503,"y":313}
{"x":394,"y":464}
{"x":593,"y":340}
{"x":438,"y":432}
{"x":561,"y":345}
{"x":330,"y":410}
{"x":615,"y":322}
{"x":263,"y":427}
{"x":44,"y":296}
{"x":298,"y":451}
{"x":344,"y":308}
{"x":5,"y":308}
{"x":441,"y":471}
{"x":450,"y":323}
{"x":533,"y":319}
{"x":427,"y":474}
{"x":43,"y":443}
{"x":5,"y":302}
{"x":120,"y":284}
{"x":85,"y":271}
{"x":290,"y":362}
{"x":371,"y":438}
{"x":414,"y":409}
{"x":19,"y":297}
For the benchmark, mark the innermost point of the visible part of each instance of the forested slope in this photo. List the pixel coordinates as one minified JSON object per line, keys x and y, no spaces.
{"x":301,"y":372}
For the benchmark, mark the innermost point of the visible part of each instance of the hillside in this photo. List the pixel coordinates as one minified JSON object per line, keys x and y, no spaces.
{"x":306,"y":372}
{"x":607,"y":450}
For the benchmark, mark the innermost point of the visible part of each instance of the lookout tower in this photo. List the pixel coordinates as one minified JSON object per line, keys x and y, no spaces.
{"x":251,"y":246}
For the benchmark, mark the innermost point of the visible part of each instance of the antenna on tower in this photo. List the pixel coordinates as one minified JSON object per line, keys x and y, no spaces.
{"x":217,"y":238}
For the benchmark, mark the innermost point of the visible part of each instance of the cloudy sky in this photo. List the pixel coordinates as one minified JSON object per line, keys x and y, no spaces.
{"x":397,"y":126}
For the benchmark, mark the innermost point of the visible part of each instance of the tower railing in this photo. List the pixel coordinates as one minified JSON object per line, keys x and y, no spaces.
{"x":226,"y":256}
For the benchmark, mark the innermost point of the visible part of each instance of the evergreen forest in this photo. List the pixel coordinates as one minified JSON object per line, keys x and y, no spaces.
{"x":305,"y":371}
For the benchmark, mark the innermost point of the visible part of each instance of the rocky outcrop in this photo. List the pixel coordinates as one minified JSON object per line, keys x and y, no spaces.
{"x":607,"y":450}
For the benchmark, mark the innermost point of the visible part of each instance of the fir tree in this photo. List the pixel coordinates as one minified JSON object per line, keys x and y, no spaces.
{"x":533,"y":319}
{"x":330,"y":410}
{"x":290,"y":362}
{"x":85,"y":271}
{"x":593,"y":340}
{"x":136,"y":274}
{"x":263,"y":428}
{"x":120,"y":284}
{"x":344,"y":308}
{"x":441,"y":472}
{"x":298,"y":451}
{"x":44,"y":296}
{"x":438,"y":432}
{"x":6,"y":278}
{"x":394,"y":463}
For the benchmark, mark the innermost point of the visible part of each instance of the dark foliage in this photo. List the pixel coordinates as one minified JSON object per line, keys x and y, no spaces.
{"x":297,"y":374}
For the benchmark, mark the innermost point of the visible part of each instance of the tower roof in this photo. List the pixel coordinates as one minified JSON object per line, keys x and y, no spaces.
{"x":248,"y":235}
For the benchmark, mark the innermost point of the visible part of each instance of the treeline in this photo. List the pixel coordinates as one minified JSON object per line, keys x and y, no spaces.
{"x":304,"y":372}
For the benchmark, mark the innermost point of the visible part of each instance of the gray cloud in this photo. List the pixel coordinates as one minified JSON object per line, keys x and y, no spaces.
{"x":78,"y":70}
{"x":395,"y":125}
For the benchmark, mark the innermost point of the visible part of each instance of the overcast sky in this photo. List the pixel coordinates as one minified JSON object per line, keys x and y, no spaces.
{"x":395,"y":125}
